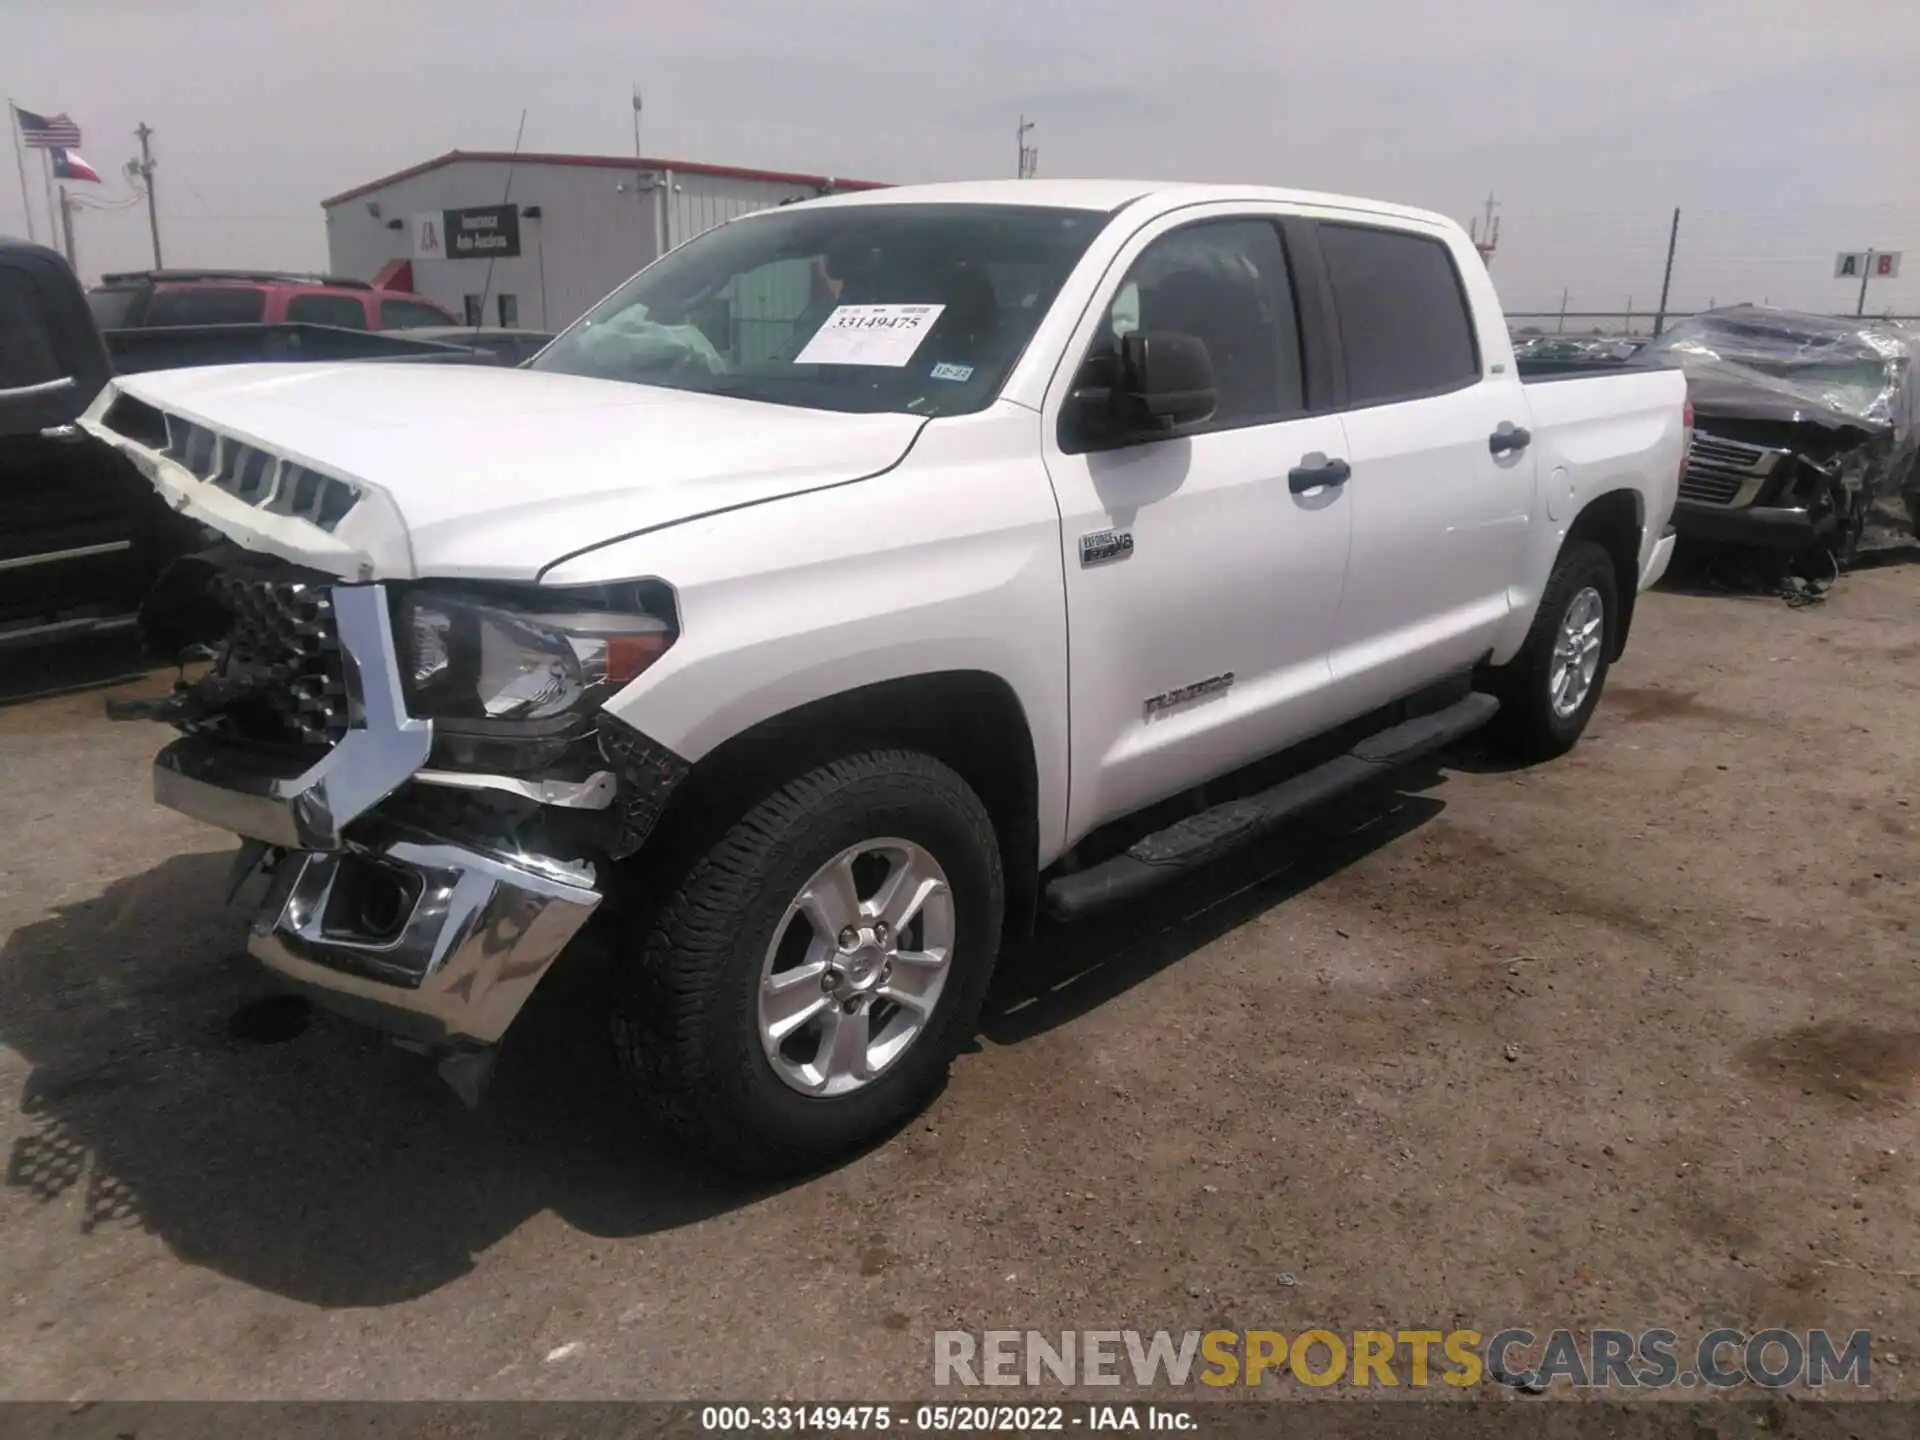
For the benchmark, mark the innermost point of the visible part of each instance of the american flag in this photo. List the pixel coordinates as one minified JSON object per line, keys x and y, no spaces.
{"x":46,"y":132}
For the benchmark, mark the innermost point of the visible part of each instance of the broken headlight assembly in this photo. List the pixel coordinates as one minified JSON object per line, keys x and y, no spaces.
{"x":525,"y":662}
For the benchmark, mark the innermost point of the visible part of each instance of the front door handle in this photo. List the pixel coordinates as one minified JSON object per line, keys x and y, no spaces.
{"x":65,"y":434}
{"x":1316,"y":470}
{"x":1508,"y":439}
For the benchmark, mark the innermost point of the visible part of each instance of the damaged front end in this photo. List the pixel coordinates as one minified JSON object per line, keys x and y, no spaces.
{"x":1805,"y":426}
{"x":426,"y":774}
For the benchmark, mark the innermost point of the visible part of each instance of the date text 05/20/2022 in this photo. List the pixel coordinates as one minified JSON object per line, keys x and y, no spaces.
{"x":943,"y":1419}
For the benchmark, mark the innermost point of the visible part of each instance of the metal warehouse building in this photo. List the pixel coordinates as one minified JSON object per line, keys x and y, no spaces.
{"x":560,"y":231}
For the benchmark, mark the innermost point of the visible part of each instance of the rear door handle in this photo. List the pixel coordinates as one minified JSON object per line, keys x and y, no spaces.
{"x":1316,"y":470}
{"x":1508,"y":439}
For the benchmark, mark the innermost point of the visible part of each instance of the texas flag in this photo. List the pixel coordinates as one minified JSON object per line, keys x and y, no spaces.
{"x":67,"y":165}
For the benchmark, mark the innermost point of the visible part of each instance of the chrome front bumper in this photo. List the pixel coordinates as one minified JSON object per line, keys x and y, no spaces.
{"x":424,"y":936}
{"x":462,"y":936}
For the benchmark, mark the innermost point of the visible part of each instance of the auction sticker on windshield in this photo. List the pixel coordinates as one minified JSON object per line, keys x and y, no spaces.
{"x":870,"y":335}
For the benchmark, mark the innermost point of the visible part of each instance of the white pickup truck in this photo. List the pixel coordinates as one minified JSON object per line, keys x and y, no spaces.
{"x":860,"y":579}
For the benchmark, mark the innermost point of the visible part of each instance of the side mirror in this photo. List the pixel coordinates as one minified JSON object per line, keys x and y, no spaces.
{"x":1166,"y":380}
{"x":1153,"y":383}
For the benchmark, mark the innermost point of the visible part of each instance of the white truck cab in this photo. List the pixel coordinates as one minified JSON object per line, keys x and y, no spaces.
{"x":860,"y":578}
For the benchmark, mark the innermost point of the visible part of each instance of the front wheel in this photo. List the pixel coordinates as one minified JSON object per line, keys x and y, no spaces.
{"x":805,"y":989}
{"x":1549,"y":690}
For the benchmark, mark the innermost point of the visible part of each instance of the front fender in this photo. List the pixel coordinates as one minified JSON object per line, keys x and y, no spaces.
{"x":949,"y":563}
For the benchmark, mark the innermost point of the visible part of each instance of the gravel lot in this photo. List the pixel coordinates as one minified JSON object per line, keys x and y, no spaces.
{"x":1628,"y":1039}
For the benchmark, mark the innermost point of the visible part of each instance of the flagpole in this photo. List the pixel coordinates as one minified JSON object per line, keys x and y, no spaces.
{"x":66,"y":227}
{"x":20,"y":159}
{"x":53,"y":222}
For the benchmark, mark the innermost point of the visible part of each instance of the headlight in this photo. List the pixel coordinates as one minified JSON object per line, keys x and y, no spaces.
{"x":526,"y":655}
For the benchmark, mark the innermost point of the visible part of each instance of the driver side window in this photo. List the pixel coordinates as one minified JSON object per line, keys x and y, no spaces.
{"x":1228,"y":284}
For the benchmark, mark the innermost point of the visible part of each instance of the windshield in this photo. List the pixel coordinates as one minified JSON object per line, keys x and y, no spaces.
{"x":915,"y":308}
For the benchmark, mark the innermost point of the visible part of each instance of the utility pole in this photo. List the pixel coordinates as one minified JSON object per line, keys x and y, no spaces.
{"x":1629,"y":314}
{"x":645,"y":185}
{"x":145,"y":169}
{"x":1673,"y":239}
{"x":1029,"y":154}
{"x":637,"y":167}
{"x":1865,"y":271}
{"x":1560,"y":327}
{"x":1485,"y":232}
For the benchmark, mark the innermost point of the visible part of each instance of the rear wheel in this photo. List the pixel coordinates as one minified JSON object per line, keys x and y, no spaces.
{"x":804,"y":990}
{"x":1549,"y":690}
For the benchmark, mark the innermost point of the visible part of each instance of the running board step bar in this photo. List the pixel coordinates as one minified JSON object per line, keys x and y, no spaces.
{"x":1198,"y":840}
{"x":86,"y":628}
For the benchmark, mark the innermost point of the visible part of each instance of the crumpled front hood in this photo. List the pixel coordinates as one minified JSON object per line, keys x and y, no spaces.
{"x":492,"y":473}
{"x":1722,"y":391}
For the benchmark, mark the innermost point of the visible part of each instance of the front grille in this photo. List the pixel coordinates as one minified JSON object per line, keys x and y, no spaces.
{"x":244,"y":471}
{"x":1712,"y":450}
{"x":1705,"y":485}
{"x":1718,"y":470}
{"x":284,"y":649}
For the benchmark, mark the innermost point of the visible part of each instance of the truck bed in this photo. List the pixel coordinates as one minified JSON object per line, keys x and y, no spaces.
{"x":1541,"y":372}
{"x":1619,"y":427}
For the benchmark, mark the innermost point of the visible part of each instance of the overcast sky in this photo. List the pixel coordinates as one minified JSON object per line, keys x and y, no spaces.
{"x":1785,"y":129}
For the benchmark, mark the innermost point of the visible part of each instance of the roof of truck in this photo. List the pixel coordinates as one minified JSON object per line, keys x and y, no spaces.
{"x":1113,"y":194}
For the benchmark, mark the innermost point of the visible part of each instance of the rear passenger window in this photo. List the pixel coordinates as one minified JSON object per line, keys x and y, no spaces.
{"x":1404,"y":323}
{"x":206,"y":305}
{"x":410,"y":315}
{"x":1227,"y":283}
{"x":346,"y":311}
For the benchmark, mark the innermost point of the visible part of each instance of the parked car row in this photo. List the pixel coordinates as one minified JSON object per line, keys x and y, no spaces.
{"x":83,"y":536}
{"x":151,"y":299}
{"x":1578,"y":347}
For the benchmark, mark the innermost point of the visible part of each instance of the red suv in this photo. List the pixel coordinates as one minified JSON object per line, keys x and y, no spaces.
{"x":147,"y":299}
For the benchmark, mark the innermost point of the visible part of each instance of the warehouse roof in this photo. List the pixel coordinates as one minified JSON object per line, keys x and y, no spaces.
{"x":604,"y":162}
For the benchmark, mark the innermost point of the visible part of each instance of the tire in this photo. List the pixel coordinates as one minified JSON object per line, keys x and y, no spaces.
{"x":1529,"y":725}
{"x":687,"y":1016}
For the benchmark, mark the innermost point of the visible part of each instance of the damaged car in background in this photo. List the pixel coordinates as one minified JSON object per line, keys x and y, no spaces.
{"x":1804,"y":426}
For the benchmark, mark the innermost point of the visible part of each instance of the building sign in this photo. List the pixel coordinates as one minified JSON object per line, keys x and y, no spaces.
{"x":1858,"y":264}
{"x":481,"y":232}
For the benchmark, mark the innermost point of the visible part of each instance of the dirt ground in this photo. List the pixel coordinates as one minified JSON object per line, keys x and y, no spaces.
{"x":1628,"y":1039}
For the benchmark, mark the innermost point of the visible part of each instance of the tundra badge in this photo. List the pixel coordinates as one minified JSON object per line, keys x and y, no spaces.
{"x":1104,"y":545}
{"x":1212,"y":685}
